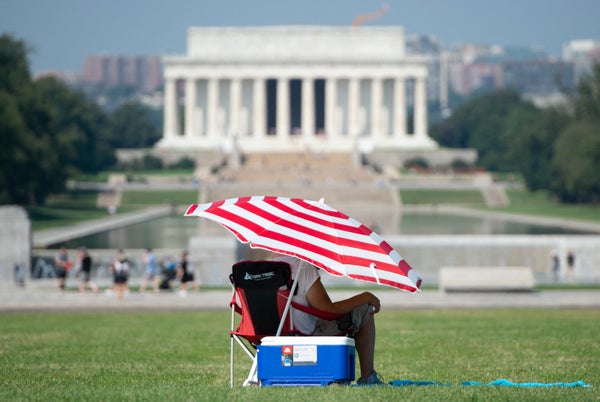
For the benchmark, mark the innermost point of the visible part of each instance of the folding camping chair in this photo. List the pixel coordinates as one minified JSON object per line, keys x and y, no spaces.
{"x":261,"y":295}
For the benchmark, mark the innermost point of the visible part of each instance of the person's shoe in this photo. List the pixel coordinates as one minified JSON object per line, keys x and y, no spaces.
{"x":373,"y":379}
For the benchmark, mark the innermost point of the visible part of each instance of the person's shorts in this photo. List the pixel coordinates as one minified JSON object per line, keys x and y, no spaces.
{"x":61,"y":273}
{"x":349,"y":323}
{"x":85,"y":276}
{"x":120,"y":278}
{"x":187,"y":277}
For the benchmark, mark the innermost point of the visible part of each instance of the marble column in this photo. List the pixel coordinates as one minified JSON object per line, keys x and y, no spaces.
{"x":376,"y":106}
{"x":259,"y":104}
{"x":308,"y":107}
{"x":331,"y":128}
{"x":353,"y":106}
{"x":420,"y":108}
{"x":399,"y":112}
{"x":171,"y":115}
{"x":235,"y":98}
{"x":283,"y":109}
{"x":191,"y":102}
{"x":212,"y":106}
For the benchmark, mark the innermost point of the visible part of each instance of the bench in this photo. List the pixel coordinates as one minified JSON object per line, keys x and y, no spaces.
{"x":486,"y":279}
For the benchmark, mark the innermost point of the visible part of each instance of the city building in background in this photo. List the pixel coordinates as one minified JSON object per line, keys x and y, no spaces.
{"x":143,"y":73}
{"x":454,"y":72}
{"x":582,"y":54}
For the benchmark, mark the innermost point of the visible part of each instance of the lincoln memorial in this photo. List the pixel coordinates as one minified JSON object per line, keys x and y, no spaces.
{"x":293,"y":88}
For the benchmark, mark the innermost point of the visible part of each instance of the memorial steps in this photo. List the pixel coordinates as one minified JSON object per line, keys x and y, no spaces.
{"x":352,"y":189}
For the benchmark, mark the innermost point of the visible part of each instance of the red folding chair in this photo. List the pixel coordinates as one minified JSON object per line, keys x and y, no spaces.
{"x":261,"y":291}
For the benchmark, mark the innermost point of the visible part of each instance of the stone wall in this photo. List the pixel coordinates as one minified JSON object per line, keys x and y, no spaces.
{"x":213,"y":256}
{"x":15,"y":238}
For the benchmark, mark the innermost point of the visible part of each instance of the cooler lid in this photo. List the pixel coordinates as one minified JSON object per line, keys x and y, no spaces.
{"x":306,"y":340}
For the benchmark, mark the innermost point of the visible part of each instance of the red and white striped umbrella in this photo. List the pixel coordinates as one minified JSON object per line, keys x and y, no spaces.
{"x":313,"y":232}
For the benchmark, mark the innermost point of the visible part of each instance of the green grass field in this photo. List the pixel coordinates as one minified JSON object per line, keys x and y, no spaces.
{"x":73,"y":207}
{"x":185,"y":356}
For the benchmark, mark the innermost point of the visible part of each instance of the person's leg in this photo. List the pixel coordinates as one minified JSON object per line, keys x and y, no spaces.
{"x":365,"y":347}
{"x":92,"y":285}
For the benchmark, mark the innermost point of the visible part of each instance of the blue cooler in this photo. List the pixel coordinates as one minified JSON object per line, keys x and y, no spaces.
{"x":305,"y":360}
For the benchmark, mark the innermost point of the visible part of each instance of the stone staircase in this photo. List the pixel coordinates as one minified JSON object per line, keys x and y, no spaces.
{"x":342,"y":184}
{"x":300,"y":168}
{"x":495,"y":196}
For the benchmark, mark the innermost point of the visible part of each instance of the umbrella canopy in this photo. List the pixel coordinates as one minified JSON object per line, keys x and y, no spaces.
{"x":314,"y":232}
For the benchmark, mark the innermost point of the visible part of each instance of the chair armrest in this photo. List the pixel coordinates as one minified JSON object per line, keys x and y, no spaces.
{"x":317,"y":313}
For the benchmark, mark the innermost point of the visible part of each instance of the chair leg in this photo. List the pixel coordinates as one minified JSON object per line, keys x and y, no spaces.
{"x":252,"y":375}
{"x":231,"y":362}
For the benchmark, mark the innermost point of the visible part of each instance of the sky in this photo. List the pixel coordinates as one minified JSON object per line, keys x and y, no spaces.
{"x":61,"y":33}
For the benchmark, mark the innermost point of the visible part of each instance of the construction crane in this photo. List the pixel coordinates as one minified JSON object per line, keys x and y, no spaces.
{"x":361,"y":18}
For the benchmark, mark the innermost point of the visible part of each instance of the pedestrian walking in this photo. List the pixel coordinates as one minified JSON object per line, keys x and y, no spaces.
{"x":570,"y":266}
{"x":151,"y":273}
{"x":185,"y":274}
{"x":120,"y":271}
{"x":63,"y":265}
{"x":85,"y":271}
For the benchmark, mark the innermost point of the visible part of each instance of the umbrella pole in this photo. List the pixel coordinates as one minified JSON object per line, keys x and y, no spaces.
{"x":289,"y":301}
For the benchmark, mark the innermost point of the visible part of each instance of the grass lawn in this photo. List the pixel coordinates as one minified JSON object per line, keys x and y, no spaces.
{"x":538,"y":203}
{"x":462,"y":197}
{"x":177,"y":197}
{"x":521,"y":202}
{"x":185,"y":356}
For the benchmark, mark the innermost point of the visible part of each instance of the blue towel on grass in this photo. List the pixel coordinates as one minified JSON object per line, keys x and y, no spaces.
{"x":501,"y":382}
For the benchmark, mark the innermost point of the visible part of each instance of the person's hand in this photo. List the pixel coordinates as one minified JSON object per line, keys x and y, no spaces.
{"x":374,"y":301}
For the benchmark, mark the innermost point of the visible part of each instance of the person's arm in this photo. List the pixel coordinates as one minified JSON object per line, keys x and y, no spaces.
{"x":318,"y":298}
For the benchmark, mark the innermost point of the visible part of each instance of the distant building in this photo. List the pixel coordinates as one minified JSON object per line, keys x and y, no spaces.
{"x":529,"y":71}
{"x":583,"y":54}
{"x":290,"y":88}
{"x":538,"y":77}
{"x":144,"y":73}
{"x":431,"y":49}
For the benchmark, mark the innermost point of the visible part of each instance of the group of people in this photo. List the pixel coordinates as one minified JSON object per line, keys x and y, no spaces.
{"x":83,"y":266}
{"x":120,"y":270}
{"x":555,"y":266}
{"x":182,"y":271}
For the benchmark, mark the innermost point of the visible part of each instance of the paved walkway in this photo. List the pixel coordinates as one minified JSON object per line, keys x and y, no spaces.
{"x":44,"y":238}
{"x":15,"y":299}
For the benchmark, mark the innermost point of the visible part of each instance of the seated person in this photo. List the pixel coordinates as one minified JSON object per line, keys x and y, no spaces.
{"x":357,"y":316}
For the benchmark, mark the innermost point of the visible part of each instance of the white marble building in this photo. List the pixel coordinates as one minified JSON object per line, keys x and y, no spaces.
{"x":293,"y":88}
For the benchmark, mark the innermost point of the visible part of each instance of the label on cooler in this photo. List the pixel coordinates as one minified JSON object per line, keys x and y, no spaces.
{"x":298,"y":355}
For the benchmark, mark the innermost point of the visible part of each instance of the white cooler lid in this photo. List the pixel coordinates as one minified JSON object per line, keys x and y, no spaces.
{"x":306,"y":340}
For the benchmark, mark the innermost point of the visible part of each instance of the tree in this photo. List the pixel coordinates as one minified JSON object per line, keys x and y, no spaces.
{"x":132,"y":126}
{"x":577,"y":148}
{"x":14,"y":68}
{"x":16,"y":141}
{"x":533,"y":148}
{"x":47,"y":131}
{"x":577,"y":161}
{"x":489,"y":123}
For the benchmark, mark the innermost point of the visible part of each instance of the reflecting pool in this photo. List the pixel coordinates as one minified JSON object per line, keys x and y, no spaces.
{"x":175,"y":231}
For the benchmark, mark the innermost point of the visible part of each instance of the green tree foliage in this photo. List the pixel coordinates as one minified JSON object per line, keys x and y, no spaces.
{"x":556,"y":149}
{"x":532,"y":148}
{"x":577,"y":148}
{"x":47,"y":131}
{"x":132,"y":126}
{"x":488,"y":123}
{"x":577,"y":162}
